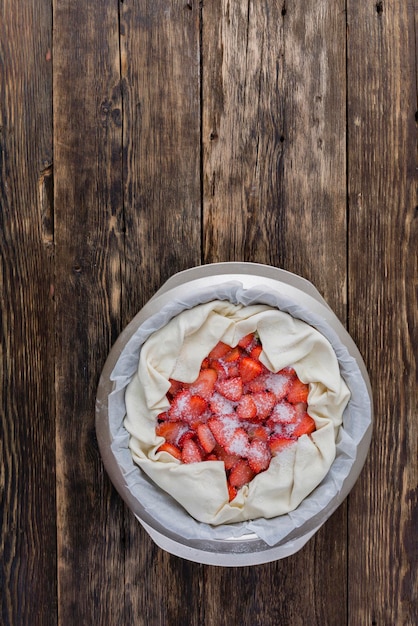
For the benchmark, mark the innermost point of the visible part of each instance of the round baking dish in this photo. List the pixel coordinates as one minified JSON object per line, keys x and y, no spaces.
{"x":300,"y":298}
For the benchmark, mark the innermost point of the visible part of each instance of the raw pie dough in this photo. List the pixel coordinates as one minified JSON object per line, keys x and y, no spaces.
{"x":177,"y":351}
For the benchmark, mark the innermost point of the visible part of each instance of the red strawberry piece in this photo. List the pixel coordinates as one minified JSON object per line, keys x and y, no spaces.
{"x":277,"y":443}
{"x":247,"y":342}
{"x":229,"y":460}
{"x":191,"y":452}
{"x":204,"y":384}
{"x":171,"y":431}
{"x":259,"y":456}
{"x":264,"y":401}
{"x":186,"y":407}
{"x":219,"y":351}
{"x":223,"y":429}
{"x":256,"y":351}
{"x":221,"y":406}
{"x":162,"y":417}
{"x":249,"y":369}
{"x":176,"y":387}
{"x":258,"y":432}
{"x":238,"y":443}
{"x":221,"y":369}
{"x":171,"y":449}
{"x":278,"y":383}
{"x":206,"y":438}
{"x":283,"y":413}
{"x":300,"y":409}
{"x":211,"y":457}
{"x":240,"y":474}
{"x":258,"y":384}
{"x":205,"y":364}
{"x":298,"y":392}
{"x":187,"y":434}
{"x":305,"y":426}
{"x":229,"y":435}
{"x":246,"y":409}
{"x":233,"y":370}
{"x":232,"y":356}
{"x":232,"y":492}
{"x":288,"y":371}
{"x":230,"y":388}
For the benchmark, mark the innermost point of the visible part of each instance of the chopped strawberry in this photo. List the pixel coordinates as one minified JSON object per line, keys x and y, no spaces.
{"x":219,"y":351}
{"x":305,"y":426}
{"x":186,"y":407}
{"x":283,"y":413}
{"x":204,"y":384}
{"x":191,"y":452}
{"x":256,"y":351}
{"x":176,"y":387}
{"x":232,"y":356}
{"x":300,"y":410}
{"x":277,"y":443}
{"x":221,"y":406}
{"x":223,"y":429}
{"x":221,"y":369}
{"x":232,"y":492}
{"x":246,"y":409}
{"x":206,"y":438}
{"x":298,"y":392}
{"x":258,"y":432}
{"x":187,"y":434}
{"x":236,"y":412}
{"x":241,"y":474}
{"x":257,"y":384}
{"x":278,"y":383}
{"x":288,"y":371}
{"x":264,"y":401}
{"x":171,"y":449}
{"x":220,"y":431}
{"x":249,"y":369}
{"x":259,"y":456}
{"x":229,"y":460}
{"x":247,"y":342}
{"x":230,"y":388}
{"x":238,"y":443}
{"x":171,"y":431}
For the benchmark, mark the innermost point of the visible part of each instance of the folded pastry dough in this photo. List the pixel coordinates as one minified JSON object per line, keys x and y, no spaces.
{"x":177,"y":351}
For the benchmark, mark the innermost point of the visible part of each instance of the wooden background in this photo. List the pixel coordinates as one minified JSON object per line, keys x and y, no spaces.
{"x":140,"y":138}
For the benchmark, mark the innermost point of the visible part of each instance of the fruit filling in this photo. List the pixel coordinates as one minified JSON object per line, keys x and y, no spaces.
{"x":236,"y":411}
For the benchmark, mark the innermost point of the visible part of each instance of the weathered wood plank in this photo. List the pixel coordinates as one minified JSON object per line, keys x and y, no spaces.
{"x":382,"y":93}
{"x":89,"y":255}
{"x":274,"y":191}
{"x":161,"y":104}
{"x":162,"y":208}
{"x":27,"y":430}
{"x":274,"y":138}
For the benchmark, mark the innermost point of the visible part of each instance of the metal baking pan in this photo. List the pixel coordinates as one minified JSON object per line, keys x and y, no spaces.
{"x":249,"y":549}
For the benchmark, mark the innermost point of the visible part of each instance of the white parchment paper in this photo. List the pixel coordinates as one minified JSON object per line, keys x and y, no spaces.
{"x":318,"y":505}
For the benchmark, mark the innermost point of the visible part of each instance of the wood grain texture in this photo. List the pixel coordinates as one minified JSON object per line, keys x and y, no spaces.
{"x":383,"y":307}
{"x":162,"y":208}
{"x":27,"y":431}
{"x":141,"y":138}
{"x":273,"y":137}
{"x":89,"y":253}
{"x":274,"y":191}
{"x":161,"y":171}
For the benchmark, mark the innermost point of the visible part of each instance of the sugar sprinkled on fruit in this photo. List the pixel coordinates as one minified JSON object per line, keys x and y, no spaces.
{"x":237,"y":412}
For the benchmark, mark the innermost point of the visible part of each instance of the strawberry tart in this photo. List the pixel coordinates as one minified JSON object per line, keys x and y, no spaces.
{"x":235,"y":411}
